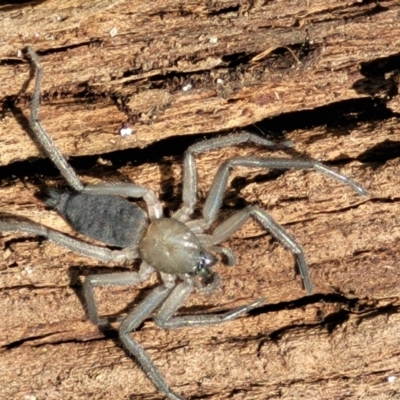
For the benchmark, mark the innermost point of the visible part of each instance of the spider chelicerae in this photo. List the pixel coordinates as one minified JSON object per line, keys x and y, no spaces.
{"x":182,"y":250}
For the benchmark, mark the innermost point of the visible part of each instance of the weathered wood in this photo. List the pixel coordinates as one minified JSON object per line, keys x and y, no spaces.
{"x":159,"y":49}
{"x":338,"y":102}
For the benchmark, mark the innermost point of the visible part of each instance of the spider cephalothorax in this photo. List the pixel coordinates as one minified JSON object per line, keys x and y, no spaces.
{"x":181,"y":250}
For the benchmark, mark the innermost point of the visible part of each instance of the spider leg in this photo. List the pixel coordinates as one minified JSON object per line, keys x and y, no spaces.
{"x":215,"y":195}
{"x":129,"y":190}
{"x":180,"y":293}
{"x":189,"y":165}
{"x":237,"y":220}
{"x":132,"y":321}
{"x":49,"y":147}
{"x":226,"y":229}
{"x":230,"y":258}
{"x":20,"y":225}
{"x":115,"y":279}
{"x":40,"y":134}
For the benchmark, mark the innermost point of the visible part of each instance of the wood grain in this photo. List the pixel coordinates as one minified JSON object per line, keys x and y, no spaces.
{"x":321,"y":74}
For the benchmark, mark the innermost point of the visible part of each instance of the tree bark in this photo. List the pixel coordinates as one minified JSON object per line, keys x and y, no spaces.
{"x":323,"y":75}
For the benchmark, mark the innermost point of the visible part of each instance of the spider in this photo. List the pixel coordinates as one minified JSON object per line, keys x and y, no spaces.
{"x":182,"y":251}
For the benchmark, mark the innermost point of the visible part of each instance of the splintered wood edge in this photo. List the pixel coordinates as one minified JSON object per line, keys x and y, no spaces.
{"x":351,"y":243}
{"x":91,"y":88}
{"x":342,"y":342}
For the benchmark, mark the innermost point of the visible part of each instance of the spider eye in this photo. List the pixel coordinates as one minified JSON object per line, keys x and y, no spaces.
{"x":206,"y":261}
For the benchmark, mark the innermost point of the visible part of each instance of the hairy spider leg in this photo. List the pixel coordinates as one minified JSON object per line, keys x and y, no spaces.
{"x":216,"y":192}
{"x":41,"y":136}
{"x":51,"y":150}
{"x":189,"y":192}
{"x":165,"y":318}
{"x":171,"y":297}
{"x":237,"y":220}
{"x":114,"y":279}
{"x":132,"y":321}
{"x":215,"y":195}
{"x":22,"y":225}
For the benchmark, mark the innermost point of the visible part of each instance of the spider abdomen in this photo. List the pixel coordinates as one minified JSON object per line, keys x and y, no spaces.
{"x":109,"y":219}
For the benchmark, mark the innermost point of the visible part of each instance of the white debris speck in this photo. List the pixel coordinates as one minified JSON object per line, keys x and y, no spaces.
{"x":220,"y":81}
{"x":213,"y":40}
{"x":19,"y":53}
{"x":113,"y":32}
{"x":187,"y":87}
{"x":391,"y":379}
{"x":125,"y":130}
{"x":28,"y":270}
{"x":60,"y":18}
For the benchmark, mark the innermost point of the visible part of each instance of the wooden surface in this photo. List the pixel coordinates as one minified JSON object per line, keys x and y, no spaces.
{"x":322,"y":74}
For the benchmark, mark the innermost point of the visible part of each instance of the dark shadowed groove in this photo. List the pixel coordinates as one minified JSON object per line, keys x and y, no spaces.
{"x":339,"y":118}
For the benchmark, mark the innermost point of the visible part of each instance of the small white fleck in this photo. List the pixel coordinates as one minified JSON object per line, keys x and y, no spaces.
{"x":213,"y":40}
{"x":126,"y":131}
{"x":187,"y":87}
{"x":19,"y":53}
{"x":391,"y":379}
{"x":60,"y":18}
{"x":220,"y":81}
{"x":30,"y":397}
{"x":29,"y":270}
{"x":113,"y":32}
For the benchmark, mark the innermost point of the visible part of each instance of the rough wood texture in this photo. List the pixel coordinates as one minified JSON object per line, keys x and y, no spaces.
{"x":325,"y":74}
